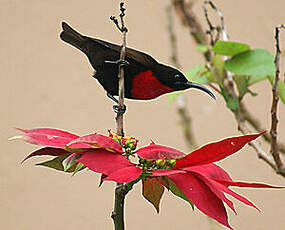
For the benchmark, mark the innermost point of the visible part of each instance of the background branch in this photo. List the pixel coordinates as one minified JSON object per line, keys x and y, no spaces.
{"x":189,"y":19}
{"x":185,"y":118}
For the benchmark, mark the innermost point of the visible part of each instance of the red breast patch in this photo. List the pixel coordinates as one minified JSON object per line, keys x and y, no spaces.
{"x":146,"y":86}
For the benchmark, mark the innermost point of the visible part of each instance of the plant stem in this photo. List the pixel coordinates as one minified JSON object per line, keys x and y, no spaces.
{"x":120,"y":191}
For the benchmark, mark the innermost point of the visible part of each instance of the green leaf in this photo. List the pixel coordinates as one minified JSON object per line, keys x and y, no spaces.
{"x":256,"y":62}
{"x":231,"y":102}
{"x":255,"y":78}
{"x":241,"y":83}
{"x":69,"y":161}
{"x":172,"y":96}
{"x":78,"y":168}
{"x":228,"y":48}
{"x":281,"y":90}
{"x":56,"y":163}
{"x":152,"y":190}
{"x":217,"y":72}
{"x":196,"y":74}
{"x":202,"y":48}
{"x":177,"y":192}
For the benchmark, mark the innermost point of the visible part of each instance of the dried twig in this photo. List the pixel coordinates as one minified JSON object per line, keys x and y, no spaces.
{"x":275,"y":98}
{"x":124,"y":30}
{"x":120,"y":191}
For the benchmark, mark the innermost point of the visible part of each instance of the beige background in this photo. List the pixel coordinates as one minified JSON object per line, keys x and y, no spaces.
{"x":46,"y":83}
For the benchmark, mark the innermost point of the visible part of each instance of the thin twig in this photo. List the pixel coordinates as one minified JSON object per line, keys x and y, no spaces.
{"x":223,"y":28}
{"x":219,"y":29}
{"x":275,"y":98}
{"x":189,"y":19}
{"x":120,"y":191}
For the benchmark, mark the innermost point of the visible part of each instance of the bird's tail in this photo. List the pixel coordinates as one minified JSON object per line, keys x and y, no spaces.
{"x":72,"y":37}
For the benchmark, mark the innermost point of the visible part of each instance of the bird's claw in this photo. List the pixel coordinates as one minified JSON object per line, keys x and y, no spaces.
{"x":119,"y":62}
{"x":119,"y":110}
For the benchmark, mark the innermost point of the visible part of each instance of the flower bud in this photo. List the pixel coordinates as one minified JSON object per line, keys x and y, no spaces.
{"x":132,"y":146}
{"x":160,"y":163}
{"x":170,"y":163}
{"x":128,"y":150}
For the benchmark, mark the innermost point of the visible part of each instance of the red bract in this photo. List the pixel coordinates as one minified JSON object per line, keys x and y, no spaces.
{"x":215,"y":151}
{"x":68,"y":147}
{"x":96,"y":141}
{"x":47,"y":137}
{"x":106,"y":162}
{"x":201,"y":181}
{"x":192,"y":177}
{"x":158,"y":152}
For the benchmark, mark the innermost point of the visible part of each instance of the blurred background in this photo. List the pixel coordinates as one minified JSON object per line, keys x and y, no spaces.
{"x":46,"y":83}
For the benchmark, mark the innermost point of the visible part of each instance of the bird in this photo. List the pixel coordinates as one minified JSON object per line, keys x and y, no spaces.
{"x":145,"y":78}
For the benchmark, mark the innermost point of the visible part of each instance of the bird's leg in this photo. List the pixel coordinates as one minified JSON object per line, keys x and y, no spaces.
{"x":118,"y":62}
{"x":112,"y":98}
{"x":116,"y":108}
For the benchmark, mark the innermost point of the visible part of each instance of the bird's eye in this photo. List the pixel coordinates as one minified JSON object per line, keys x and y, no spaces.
{"x":177,"y":76}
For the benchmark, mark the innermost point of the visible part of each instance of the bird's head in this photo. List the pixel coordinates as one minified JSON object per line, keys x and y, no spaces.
{"x":177,"y":81}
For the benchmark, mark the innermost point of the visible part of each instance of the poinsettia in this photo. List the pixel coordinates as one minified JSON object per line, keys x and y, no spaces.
{"x":193,"y":177}
{"x":196,"y":179}
{"x":67,"y":147}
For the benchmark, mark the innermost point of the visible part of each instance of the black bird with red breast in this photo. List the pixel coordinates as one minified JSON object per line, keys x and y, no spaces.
{"x":145,"y":78}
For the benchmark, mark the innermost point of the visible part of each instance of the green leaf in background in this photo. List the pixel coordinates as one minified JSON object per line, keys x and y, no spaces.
{"x":257,"y":62}
{"x":176,"y":191}
{"x":217,"y":72}
{"x":281,"y":90}
{"x":202,"y":48}
{"x":195,"y":74}
{"x":231,"y":102}
{"x":241,"y":83}
{"x":227,"y":48}
{"x":172,"y":97}
{"x":255,"y":78}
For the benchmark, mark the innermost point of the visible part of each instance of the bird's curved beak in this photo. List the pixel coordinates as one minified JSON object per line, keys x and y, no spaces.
{"x":197,"y":86}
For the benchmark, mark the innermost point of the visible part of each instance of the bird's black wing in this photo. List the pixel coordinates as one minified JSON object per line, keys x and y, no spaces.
{"x":99,"y":50}
{"x":138,"y":56}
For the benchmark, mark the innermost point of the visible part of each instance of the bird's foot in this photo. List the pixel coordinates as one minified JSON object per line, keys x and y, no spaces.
{"x":119,"y":110}
{"x":119,"y":62}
